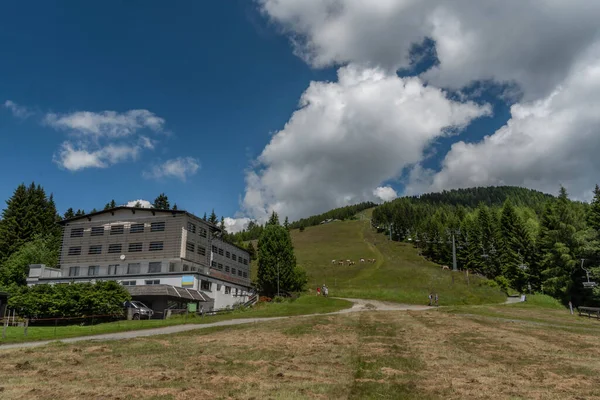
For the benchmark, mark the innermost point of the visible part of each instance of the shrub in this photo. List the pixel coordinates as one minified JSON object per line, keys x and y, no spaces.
{"x":503,"y":283}
{"x":278,"y":299}
{"x":71,"y":300}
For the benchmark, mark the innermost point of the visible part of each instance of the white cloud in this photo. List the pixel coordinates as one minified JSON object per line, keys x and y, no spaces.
{"x":548,"y":142}
{"x":181,"y":168}
{"x":385,"y":193}
{"x":105,"y":124}
{"x":234,"y":225}
{"x":346,"y":139}
{"x":143,"y":203}
{"x":17,"y":110}
{"x":75,"y":157}
{"x":531,"y":42}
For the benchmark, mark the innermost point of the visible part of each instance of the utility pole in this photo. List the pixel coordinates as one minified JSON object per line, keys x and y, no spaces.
{"x":454,"y":267}
{"x":277,"y":276}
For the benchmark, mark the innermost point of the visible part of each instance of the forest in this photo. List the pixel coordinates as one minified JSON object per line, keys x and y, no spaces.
{"x":520,"y":238}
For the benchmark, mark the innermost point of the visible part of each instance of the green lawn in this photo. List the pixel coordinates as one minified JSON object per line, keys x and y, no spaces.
{"x":303,"y":305}
{"x":399,"y":274}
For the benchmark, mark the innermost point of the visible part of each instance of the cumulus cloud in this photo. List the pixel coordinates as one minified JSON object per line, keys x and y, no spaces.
{"x":142,"y":203}
{"x":77,"y":157}
{"x":548,"y":142}
{"x":181,"y":168}
{"x":531,"y":42}
{"x":385,"y":193}
{"x":17,"y":110}
{"x":346,"y":138}
{"x":105,"y":123}
{"x":234,"y":225}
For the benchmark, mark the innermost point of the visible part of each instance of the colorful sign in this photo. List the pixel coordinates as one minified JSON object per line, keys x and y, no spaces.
{"x":192,"y":307}
{"x":187,"y":281}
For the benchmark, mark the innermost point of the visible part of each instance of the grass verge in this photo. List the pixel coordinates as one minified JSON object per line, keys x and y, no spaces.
{"x":302,"y":305}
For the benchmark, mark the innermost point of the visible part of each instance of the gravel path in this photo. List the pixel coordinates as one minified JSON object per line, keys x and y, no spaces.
{"x":358,"y":306}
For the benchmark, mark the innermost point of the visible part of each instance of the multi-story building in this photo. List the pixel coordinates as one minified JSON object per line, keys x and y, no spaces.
{"x":165,"y":258}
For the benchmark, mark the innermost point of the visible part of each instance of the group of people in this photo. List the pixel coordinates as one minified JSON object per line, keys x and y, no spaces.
{"x":323,"y":291}
{"x":433,"y":299}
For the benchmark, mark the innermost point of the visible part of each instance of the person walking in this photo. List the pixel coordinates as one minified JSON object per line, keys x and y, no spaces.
{"x":318,"y":290}
{"x":326,"y":291}
{"x":436,"y":300}
{"x":430,"y":299}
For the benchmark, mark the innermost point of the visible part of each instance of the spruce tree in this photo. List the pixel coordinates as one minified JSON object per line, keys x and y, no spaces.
{"x":204,"y":217}
{"x":276,"y":258}
{"x":69,"y":214}
{"x":213,"y":218}
{"x":593,"y":218}
{"x":162,"y":202}
{"x":174,"y":207}
{"x":286,"y":223}
{"x":251,"y":251}
{"x":274,"y":220}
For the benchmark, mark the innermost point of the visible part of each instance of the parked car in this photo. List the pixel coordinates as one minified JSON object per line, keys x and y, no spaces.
{"x":139,"y":309}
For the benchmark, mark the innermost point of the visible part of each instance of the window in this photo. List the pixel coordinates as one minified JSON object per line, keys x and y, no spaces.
{"x":172,"y":267}
{"x":74,"y":271}
{"x":114,"y":248}
{"x":227,"y":254}
{"x":213,"y":264}
{"x":75,"y":251}
{"x":220,"y":252}
{"x":205,"y":285}
{"x":194,"y":268}
{"x":214,"y":249}
{"x":218,"y":288}
{"x":236,"y":291}
{"x":117,"y":229}
{"x":154,"y":267}
{"x":245,"y":261}
{"x":234,"y":257}
{"x":133,"y":268}
{"x":201,"y":250}
{"x":239,"y":272}
{"x":112,"y":269}
{"x":155,"y":246}
{"x":128,"y":283}
{"x":186,"y":267}
{"x":202,"y":232}
{"x":97,"y":231}
{"x":227,"y":290}
{"x":189,"y":246}
{"x":191,"y":227}
{"x":157,"y":227}
{"x":95,"y":249}
{"x":233,"y":271}
{"x":226,"y":268}
{"x":77,"y":232}
{"x":153,"y":282}
{"x":135,"y":247}
{"x":136,"y":228}
{"x":93,"y":270}
{"x":245,"y":274}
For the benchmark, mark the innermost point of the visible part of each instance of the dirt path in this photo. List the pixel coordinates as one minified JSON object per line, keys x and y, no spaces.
{"x":358,"y":306}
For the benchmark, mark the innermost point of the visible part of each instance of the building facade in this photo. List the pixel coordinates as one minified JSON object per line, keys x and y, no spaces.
{"x":147,"y":247}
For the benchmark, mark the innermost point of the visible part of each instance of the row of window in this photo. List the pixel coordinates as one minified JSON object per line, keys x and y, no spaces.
{"x":113,"y":269}
{"x":229,"y":270}
{"x":119,"y":229}
{"x":204,"y":285}
{"x":189,"y":246}
{"x":201,"y":231}
{"x":116,"y":248}
{"x":219,"y":251}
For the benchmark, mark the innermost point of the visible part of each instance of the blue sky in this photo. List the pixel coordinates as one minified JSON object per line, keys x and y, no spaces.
{"x":219,"y":85}
{"x":218,"y":75}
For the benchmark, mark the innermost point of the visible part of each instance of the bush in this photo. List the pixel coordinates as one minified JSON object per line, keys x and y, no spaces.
{"x":70,"y":300}
{"x":503,"y":283}
{"x":301,"y":229}
{"x":278,"y":299}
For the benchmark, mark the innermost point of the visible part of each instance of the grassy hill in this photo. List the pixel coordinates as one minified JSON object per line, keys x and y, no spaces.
{"x":399,"y":273}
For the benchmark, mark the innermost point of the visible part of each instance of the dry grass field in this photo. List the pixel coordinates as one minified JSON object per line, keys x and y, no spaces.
{"x":368,"y":355}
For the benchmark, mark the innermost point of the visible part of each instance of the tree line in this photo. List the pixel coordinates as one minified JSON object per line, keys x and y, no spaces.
{"x":520,"y":238}
{"x":253,"y":230}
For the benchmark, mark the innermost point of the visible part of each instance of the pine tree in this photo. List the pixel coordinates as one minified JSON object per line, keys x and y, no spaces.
{"x":69,"y":213}
{"x":110,"y":205}
{"x":222,"y":225}
{"x":137,"y":205}
{"x":513,"y":246}
{"x":593,"y":218}
{"x":204,"y":217}
{"x":251,"y":251}
{"x":162,"y":202}
{"x":79,"y":213}
{"x":174,"y":207}
{"x":213,"y":218}
{"x":286,"y":223}
{"x":274,"y":220}
{"x":275,"y":259}
{"x":557,"y":245}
